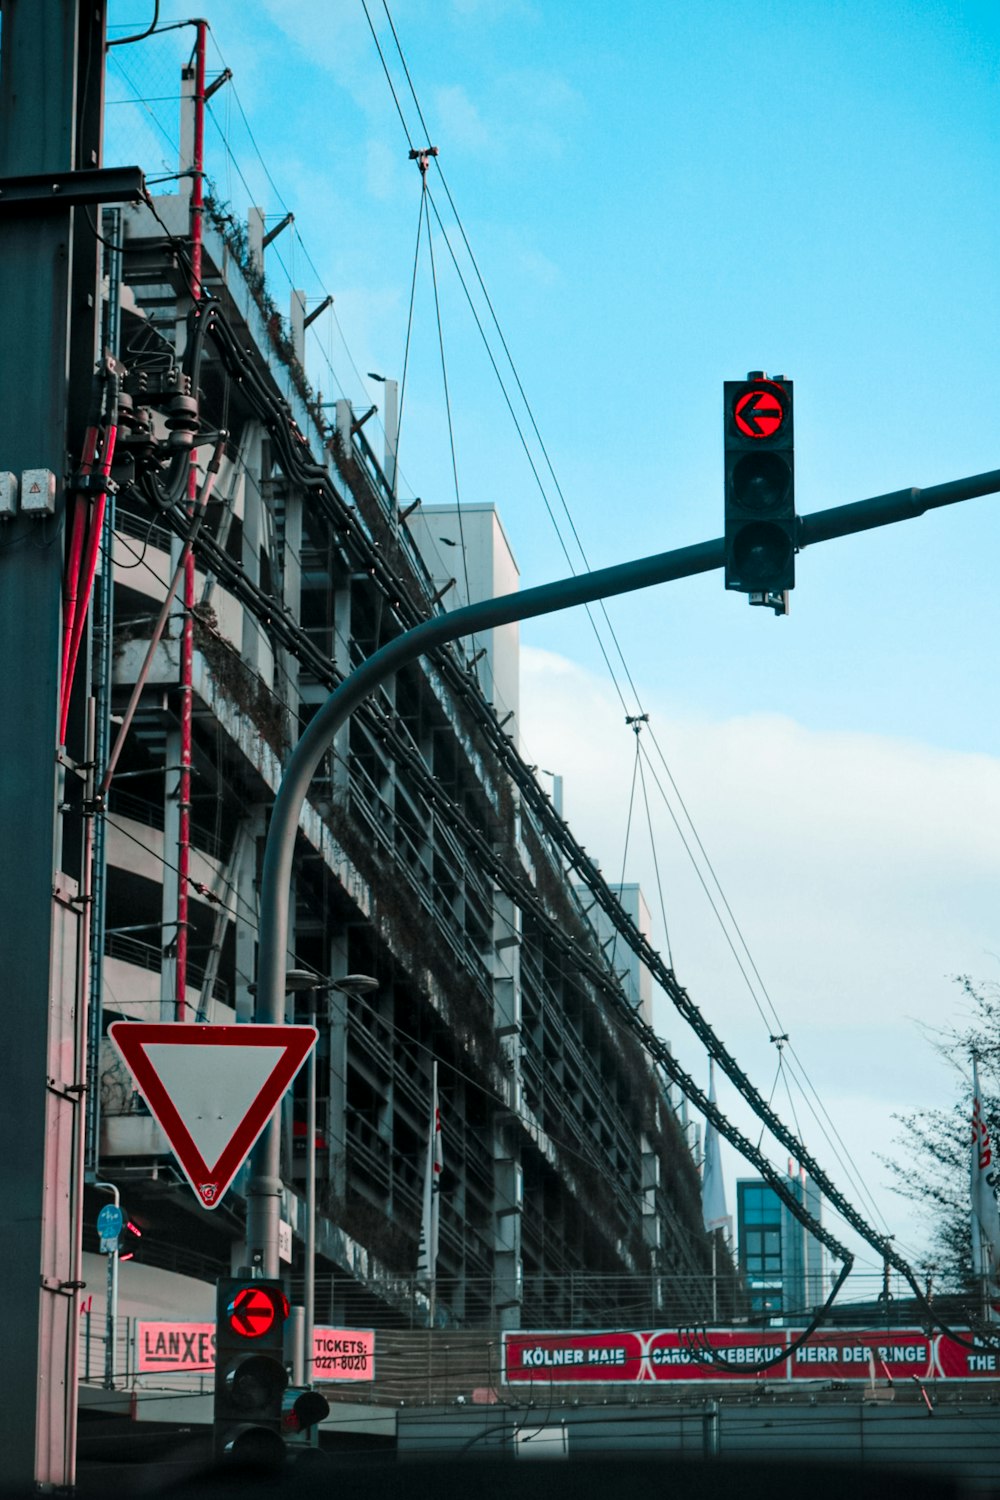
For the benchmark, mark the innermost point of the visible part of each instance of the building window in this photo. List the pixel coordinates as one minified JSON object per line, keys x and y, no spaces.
{"x":762,"y":1249}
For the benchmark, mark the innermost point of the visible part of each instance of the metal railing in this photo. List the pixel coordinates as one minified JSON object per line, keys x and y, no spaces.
{"x":149,"y":956}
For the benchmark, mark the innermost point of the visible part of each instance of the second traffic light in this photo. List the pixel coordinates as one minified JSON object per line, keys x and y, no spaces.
{"x":760,"y":485}
{"x":250,"y":1373}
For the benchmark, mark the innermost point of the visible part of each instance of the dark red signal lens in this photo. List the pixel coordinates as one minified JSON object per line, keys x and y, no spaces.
{"x":761,"y":482}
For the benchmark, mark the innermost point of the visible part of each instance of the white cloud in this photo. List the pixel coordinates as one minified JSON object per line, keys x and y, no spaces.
{"x":863,"y":872}
{"x":383,"y":175}
{"x":460,"y":121}
{"x":490,"y":11}
{"x":516,"y":116}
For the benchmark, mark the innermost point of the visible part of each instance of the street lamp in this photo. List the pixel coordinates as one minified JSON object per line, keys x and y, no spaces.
{"x":302,"y":981}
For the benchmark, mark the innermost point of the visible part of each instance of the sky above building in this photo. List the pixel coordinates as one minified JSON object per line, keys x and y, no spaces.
{"x":630,"y":205}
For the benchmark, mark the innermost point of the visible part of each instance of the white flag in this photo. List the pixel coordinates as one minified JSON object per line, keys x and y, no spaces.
{"x":713,"y":1189}
{"x":428,"y":1250}
{"x":983,"y":1176}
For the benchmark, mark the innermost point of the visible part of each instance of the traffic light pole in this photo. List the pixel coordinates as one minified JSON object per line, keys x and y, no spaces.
{"x":264,"y":1193}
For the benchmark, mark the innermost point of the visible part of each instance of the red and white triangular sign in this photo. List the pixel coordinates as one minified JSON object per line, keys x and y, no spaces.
{"x":211,"y":1089}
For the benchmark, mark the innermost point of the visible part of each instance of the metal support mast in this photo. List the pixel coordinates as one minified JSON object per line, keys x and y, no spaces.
{"x":51,"y":102}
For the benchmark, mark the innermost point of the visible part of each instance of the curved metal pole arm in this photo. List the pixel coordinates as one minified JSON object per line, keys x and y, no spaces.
{"x":471,"y":619}
{"x":265,"y":1184}
{"x":264,"y":1189}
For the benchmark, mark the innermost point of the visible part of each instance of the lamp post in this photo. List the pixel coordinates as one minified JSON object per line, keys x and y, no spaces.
{"x":302,"y":981}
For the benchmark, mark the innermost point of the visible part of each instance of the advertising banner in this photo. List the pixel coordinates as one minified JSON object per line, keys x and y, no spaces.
{"x":189,"y":1348}
{"x":572,"y":1357}
{"x":627,"y":1358}
{"x":175,"y":1347}
{"x":850,"y":1355}
{"x":676,"y":1356}
{"x":343,"y":1354}
{"x":952,"y":1362}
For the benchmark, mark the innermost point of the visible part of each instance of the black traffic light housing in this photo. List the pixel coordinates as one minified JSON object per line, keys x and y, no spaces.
{"x":760,"y":486}
{"x":302,"y":1411}
{"x":250,"y":1374}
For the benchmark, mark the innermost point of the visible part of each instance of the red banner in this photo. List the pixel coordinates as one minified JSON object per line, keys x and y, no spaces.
{"x":559,"y":1357}
{"x":717,"y":1356}
{"x":338,"y":1353}
{"x":851,"y":1355}
{"x":175,"y":1347}
{"x":952,"y":1362}
{"x":627,"y":1358}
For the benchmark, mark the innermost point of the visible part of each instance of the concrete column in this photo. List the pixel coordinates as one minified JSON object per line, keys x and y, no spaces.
{"x":185,"y":161}
{"x":508,"y":1183}
{"x":297,"y":323}
{"x":252,"y":646}
{"x":391,"y":424}
{"x":246,"y":906}
{"x":342,"y":625}
{"x":255,"y":239}
{"x":343,"y":419}
{"x":291,"y":575}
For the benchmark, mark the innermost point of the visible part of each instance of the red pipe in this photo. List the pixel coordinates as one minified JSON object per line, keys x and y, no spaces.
{"x":71,"y":587}
{"x":187,"y":632}
{"x":81,"y":572}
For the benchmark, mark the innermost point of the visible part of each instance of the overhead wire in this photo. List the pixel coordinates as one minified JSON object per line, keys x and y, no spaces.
{"x":446,"y":239}
{"x":140,"y":99}
{"x":831,"y":1135}
{"x":575,"y":534}
{"x":527,"y":405}
{"x":409,"y":322}
{"x":656,"y":859}
{"x":251,"y":921}
{"x":628,"y":830}
{"x":210,"y":319}
{"x":447,"y":399}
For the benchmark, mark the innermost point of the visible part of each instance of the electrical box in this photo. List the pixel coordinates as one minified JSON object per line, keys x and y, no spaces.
{"x":8,"y":496}
{"x":38,"y":492}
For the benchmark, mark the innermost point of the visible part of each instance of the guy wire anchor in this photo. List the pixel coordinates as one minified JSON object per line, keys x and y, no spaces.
{"x":423,"y":158}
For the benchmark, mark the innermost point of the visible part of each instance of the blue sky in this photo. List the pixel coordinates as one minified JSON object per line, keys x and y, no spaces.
{"x":660,"y":197}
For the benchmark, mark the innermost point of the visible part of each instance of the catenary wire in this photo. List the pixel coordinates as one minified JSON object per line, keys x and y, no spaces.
{"x":527,"y":405}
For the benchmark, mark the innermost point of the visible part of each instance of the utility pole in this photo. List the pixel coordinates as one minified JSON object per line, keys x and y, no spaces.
{"x":51,"y":106}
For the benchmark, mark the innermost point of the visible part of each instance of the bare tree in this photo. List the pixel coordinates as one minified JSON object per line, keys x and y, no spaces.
{"x":933,"y":1172}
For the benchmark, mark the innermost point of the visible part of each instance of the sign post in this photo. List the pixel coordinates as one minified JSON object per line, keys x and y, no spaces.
{"x":110,"y":1222}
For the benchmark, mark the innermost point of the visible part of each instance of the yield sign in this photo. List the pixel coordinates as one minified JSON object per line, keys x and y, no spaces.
{"x":211,"y":1089}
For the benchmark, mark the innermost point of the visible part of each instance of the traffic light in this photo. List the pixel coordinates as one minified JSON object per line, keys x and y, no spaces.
{"x":760,"y":487}
{"x":250,"y":1373}
{"x":302,"y":1411}
{"x":126,"y":1243}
